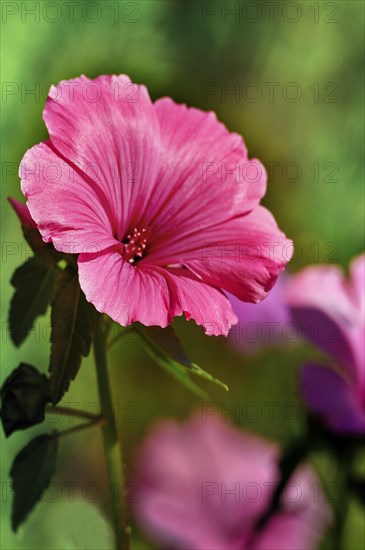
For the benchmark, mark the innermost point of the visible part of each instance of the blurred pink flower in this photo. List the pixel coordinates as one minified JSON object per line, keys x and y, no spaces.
{"x":330,"y":311}
{"x":159,"y":200}
{"x":266,"y":323}
{"x":204,"y":485}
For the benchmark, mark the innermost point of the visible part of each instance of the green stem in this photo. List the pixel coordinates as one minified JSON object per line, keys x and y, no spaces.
{"x":112,"y":447}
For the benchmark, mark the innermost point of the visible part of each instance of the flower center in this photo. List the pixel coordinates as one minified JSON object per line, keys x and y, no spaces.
{"x":135,"y":244}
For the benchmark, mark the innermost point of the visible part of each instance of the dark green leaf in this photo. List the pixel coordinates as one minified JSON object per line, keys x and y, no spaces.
{"x":33,"y":282}
{"x":73,"y":325}
{"x":168,"y":352}
{"x":31,"y":474}
{"x":175,"y":369}
{"x":24,"y":395}
{"x":168,"y":341}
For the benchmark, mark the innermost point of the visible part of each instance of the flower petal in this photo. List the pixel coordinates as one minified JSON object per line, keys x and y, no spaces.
{"x":357,"y":273}
{"x":68,"y":209}
{"x":243,"y":256}
{"x":108,"y":128}
{"x":302,"y":521}
{"x":186,"y":500}
{"x":204,"y":484}
{"x":205,"y":175}
{"x":152,"y":296}
{"x":261,"y":324}
{"x":208,"y":306}
{"x":322,"y":302}
{"x":333,"y":398}
{"x":125,"y":293}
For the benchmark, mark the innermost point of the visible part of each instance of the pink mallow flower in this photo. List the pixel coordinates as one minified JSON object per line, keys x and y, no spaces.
{"x":330,"y":310}
{"x":159,"y":201}
{"x":204,"y":485}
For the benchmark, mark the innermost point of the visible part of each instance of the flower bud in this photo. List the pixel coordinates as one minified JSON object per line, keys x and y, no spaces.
{"x":24,"y":395}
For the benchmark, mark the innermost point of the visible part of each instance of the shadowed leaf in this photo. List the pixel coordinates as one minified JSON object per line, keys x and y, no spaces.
{"x":168,"y":341}
{"x":167,"y":351}
{"x":33,"y":282}
{"x":73,"y":325}
{"x":31,"y":473}
{"x":172,"y":367}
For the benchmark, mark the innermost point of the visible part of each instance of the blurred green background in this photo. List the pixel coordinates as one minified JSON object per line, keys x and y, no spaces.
{"x":296,"y":70}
